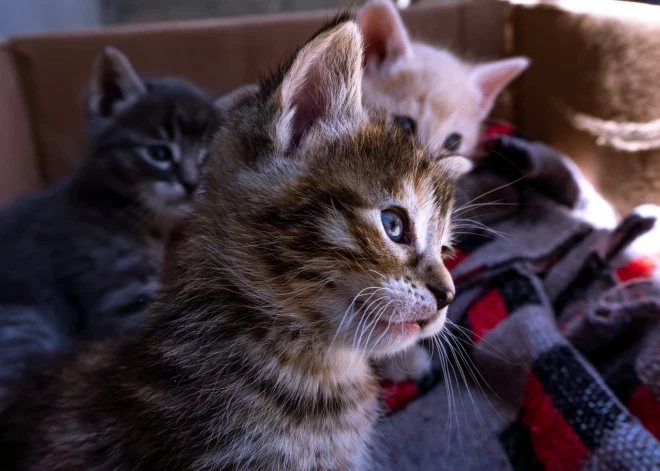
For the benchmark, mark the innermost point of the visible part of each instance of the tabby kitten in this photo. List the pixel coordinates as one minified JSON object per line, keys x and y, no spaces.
{"x":317,"y":245}
{"x":432,"y":94}
{"x":429,"y":91}
{"x":81,"y":260}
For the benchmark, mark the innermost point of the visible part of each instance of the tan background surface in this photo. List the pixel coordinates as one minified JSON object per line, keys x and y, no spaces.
{"x":603,"y":63}
{"x":19,"y":171}
{"x":217,"y":54}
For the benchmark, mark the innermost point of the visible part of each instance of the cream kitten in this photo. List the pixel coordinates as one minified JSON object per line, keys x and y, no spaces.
{"x":435,"y":95}
{"x":439,"y":97}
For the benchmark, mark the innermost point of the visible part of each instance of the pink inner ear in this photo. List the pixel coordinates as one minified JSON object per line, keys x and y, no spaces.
{"x":490,"y":79}
{"x":311,"y":104}
{"x":385,"y":36}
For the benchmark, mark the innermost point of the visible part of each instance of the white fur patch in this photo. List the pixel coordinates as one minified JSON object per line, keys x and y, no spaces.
{"x":455,"y":166}
{"x":410,"y":365}
{"x":336,"y":231}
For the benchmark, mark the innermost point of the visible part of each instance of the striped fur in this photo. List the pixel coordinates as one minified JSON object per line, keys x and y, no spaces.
{"x":258,"y":351}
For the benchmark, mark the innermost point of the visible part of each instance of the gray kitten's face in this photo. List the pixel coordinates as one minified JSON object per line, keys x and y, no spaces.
{"x":149,"y":136}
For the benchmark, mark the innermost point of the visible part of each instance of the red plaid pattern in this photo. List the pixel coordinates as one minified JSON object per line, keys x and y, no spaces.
{"x":570,"y":413}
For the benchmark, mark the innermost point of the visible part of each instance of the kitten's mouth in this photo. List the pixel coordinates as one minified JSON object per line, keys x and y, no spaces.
{"x":404,"y":329}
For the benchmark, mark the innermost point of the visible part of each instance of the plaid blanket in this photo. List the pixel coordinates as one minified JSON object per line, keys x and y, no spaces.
{"x":551,"y":360}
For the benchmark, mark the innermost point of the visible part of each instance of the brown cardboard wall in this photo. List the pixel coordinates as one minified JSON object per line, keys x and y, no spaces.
{"x":217,"y":54}
{"x":19,"y":172}
{"x":593,"y":91}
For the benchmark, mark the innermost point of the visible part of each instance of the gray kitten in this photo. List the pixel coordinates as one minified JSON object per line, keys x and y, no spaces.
{"x":81,"y":260}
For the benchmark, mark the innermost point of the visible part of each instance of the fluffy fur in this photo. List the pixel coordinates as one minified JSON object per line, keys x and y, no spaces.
{"x":439,"y":91}
{"x":81,"y":260}
{"x":277,"y":293}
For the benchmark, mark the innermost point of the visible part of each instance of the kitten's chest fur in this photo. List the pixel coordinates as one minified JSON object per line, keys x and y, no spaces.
{"x":338,"y":442}
{"x":216,"y":400}
{"x":273,"y":409}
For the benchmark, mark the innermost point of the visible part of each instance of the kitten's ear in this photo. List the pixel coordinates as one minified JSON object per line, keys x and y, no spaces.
{"x":385,"y":37}
{"x":114,"y":83}
{"x":322,"y":90}
{"x":236,"y":97}
{"x":491,"y":78}
{"x":455,"y":166}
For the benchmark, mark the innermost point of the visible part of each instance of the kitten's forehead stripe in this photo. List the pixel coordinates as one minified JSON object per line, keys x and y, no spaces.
{"x":164,"y":134}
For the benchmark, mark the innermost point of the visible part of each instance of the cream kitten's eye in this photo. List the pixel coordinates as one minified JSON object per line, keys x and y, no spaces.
{"x":395,"y":226}
{"x":453,"y":141}
{"x":405,"y":123}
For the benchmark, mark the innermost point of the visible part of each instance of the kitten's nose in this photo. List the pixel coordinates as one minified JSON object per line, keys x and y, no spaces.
{"x":188,"y":178}
{"x":190,"y":187}
{"x":443,"y":295}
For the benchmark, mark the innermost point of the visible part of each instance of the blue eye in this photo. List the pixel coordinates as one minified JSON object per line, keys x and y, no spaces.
{"x":160,"y":153}
{"x":394,"y":226}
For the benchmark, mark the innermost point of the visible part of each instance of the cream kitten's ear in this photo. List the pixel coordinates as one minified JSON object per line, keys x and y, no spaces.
{"x":322,"y":90}
{"x":114,"y":83}
{"x":491,"y":78}
{"x":234,"y":98}
{"x":455,"y":166}
{"x":385,"y":37}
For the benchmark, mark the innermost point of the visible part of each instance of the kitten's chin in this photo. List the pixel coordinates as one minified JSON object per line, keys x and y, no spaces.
{"x":395,"y":337}
{"x":177,"y":212}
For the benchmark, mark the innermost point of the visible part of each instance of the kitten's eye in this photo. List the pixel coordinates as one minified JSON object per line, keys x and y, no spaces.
{"x":160,"y":153}
{"x":394,"y":226}
{"x":453,"y":141}
{"x":405,"y":123}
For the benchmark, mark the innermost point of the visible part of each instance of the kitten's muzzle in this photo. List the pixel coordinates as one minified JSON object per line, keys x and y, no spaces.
{"x":190,"y":187}
{"x":443,"y":295}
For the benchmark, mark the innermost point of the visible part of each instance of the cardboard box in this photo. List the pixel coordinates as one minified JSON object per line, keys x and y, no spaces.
{"x":597,"y":63}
